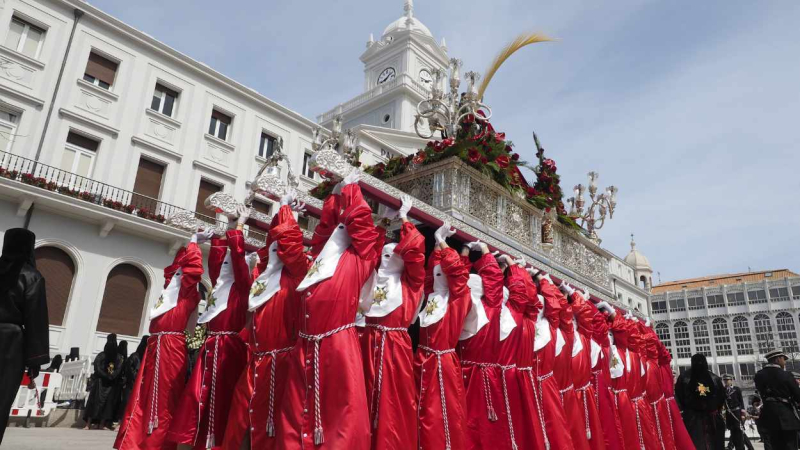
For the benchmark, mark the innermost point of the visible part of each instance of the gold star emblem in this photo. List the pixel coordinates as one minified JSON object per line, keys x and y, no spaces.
{"x":258,"y":288}
{"x":379,"y":296}
{"x":702,"y":389}
{"x":159,"y":302}
{"x":314,"y":268}
{"x":614,"y":360}
{"x":432,"y":305}
{"x":211,"y":301}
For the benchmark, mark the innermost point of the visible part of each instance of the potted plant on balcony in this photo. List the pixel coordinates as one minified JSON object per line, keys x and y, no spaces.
{"x":10,"y":174}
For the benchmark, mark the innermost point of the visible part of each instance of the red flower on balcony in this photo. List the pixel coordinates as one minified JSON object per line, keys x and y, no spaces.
{"x":502,"y":161}
{"x":499,"y":137}
{"x":473,"y":154}
{"x":515,"y":157}
{"x":419,"y":158}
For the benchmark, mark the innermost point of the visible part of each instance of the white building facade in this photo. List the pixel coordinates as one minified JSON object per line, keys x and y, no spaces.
{"x":105,"y":132}
{"x":732,"y":319}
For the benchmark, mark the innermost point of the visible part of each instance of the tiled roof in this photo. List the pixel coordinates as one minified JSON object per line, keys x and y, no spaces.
{"x":719,"y":280}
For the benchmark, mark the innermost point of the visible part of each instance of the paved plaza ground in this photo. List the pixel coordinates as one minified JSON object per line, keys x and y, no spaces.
{"x":72,"y":438}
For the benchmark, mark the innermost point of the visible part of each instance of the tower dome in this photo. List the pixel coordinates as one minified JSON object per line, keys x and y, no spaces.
{"x":408,"y":23}
{"x":641,"y":267}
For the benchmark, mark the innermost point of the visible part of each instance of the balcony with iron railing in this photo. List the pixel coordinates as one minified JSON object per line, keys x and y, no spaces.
{"x":60,"y":182}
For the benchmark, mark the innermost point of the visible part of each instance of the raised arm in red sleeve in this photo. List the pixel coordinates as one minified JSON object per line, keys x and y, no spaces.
{"x":584,"y":313}
{"x":600,"y":329}
{"x":192,"y":266}
{"x":466,"y":262}
{"x":492,"y":278}
{"x":517,"y":289}
{"x":554,"y":309}
{"x":433,"y":260}
{"x":412,"y":249}
{"x":241,"y":271}
{"x":219,"y":248}
{"x":457,"y":275}
{"x":357,"y":217}
{"x":327,"y":223}
{"x":290,"y":243}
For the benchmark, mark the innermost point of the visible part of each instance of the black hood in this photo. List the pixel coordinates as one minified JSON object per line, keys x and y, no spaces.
{"x":110,"y":348}
{"x":18,"y":244}
{"x":142,"y":346}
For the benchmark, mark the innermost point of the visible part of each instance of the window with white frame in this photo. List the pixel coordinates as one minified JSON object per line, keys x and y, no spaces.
{"x":735,"y":298}
{"x":715,"y":301}
{"x":786,"y":332}
{"x":747,"y":371}
{"x":724,"y":369}
{"x":741,"y":334}
{"x":220,"y":123}
{"x":677,"y":304}
{"x":79,"y":154}
{"x":722,"y":338}
{"x":696,"y":303}
{"x":100,"y":71}
{"x":24,"y":37}
{"x":266,"y":145}
{"x":778,"y":294}
{"x":796,"y":292}
{"x":306,"y":166}
{"x":8,"y":129}
{"x":662,"y":331}
{"x":659,"y":306}
{"x":764,"y":338}
{"x":682,"y":342}
{"x":701,"y":340}
{"x":759,"y":296}
{"x":165,"y":100}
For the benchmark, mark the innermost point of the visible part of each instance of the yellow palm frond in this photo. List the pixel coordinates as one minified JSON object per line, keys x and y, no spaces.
{"x":520,"y":41}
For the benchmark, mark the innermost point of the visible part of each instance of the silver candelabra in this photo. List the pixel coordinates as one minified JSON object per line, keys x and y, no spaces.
{"x":345,"y":143}
{"x":443,"y":112}
{"x":594,"y":217}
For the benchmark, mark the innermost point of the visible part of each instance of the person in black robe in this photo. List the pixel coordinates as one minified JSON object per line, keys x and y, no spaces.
{"x":24,"y":325}
{"x":700,"y":396}
{"x":101,"y":407}
{"x":119,"y":387}
{"x":74,"y":354}
{"x":130,"y":368}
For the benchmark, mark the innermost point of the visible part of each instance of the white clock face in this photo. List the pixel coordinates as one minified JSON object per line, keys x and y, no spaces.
{"x":388,"y":74}
{"x":425,"y":78}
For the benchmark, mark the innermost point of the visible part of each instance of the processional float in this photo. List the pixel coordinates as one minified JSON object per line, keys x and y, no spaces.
{"x":448,"y":191}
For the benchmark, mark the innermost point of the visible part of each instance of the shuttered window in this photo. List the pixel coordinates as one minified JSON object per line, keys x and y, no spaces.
{"x":206,"y":189}
{"x":58,"y":270}
{"x":123,"y":301}
{"x":100,"y":71}
{"x":148,"y":184}
{"x":263,"y":208}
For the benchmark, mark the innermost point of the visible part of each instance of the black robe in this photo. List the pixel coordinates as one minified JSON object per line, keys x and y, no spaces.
{"x":700,"y":400}
{"x":129,"y":370}
{"x":106,"y":387}
{"x":24,"y":328}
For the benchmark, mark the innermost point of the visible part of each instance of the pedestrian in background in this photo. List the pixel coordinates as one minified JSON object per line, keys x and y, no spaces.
{"x":102,"y":404}
{"x":24,"y":327}
{"x":700,"y":397}
{"x":781,"y":395}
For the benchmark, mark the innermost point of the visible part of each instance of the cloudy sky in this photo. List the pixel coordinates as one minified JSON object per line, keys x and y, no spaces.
{"x":691,"y":109}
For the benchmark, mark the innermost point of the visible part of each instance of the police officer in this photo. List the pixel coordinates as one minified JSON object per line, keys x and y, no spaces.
{"x":735,"y":415}
{"x":781,"y":395}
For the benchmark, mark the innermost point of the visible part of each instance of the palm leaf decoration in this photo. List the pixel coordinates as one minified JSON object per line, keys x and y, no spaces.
{"x":520,"y":41}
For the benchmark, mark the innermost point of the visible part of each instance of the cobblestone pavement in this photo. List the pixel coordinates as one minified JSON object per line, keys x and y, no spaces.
{"x":57,"y":438}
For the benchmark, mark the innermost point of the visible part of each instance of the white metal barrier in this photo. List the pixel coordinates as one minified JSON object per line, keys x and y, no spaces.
{"x":31,"y":401}
{"x":74,"y":376}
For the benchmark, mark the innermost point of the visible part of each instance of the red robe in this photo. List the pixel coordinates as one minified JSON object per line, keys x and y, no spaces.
{"x":388,"y":355}
{"x":529,"y":427}
{"x":582,"y":372}
{"x":563,"y":368}
{"x":484,"y":369}
{"x":437,"y":431}
{"x":154,"y":398}
{"x":609,"y":414}
{"x":681,"y":436}
{"x":555,"y":418}
{"x":210,"y":389}
{"x":637,"y":385}
{"x":619,"y":386}
{"x":324,"y":405}
{"x":272,"y":333}
{"x":653,"y":393}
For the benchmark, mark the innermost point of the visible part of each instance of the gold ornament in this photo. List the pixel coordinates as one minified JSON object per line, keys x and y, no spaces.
{"x":702,"y":389}
{"x":159,"y":302}
{"x":432,"y":305}
{"x":379,"y":296}
{"x":258,"y":288}
{"x":314,"y":268}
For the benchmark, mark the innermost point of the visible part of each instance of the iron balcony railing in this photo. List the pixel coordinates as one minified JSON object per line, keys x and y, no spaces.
{"x":30,"y":172}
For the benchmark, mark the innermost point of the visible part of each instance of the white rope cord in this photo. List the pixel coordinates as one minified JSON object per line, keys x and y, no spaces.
{"x":638,"y":420}
{"x":616,"y":393}
{"x":271,"y":401}
{"x":439,"y":354}
{"x":319,"y":437}
{"x":561,"y":392}
{"x":596,"y":383}
{"x":539,"y":405}
{"x":379,"y":382}
{"x":508,"y":406}
{"x":210,"y":442}
{"x":658,"y":424}
{"x":669,"y":415}
{"x":487,"y":395}
{"x":583,"y":389}
{"x":152,"y":423}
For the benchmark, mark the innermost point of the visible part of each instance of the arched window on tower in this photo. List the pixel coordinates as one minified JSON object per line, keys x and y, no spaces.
{"x":58,"y":270}
{"x":123,"y":301}
{"x":786,"y":332}
{"x":662,"y":331}
{"x":643,"y":282}
{"x":764,"y":337}
{"x":741,"y":333}
{"x":702,"y":341}
{"x":682,"y":343}
{"x":722,"y":338}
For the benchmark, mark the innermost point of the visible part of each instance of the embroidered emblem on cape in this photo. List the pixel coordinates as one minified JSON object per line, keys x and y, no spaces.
{"x":160,"y":302}
{"x":314,"y":268}
{"x":258,"y":288}
{"x":379,"y":295}
{"x":614,"y":359}
{"x":702,"y":389}
{"x":211,"y":301}
{"x":432,"y":305}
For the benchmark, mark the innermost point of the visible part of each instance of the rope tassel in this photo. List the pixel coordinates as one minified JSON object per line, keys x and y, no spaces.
{"x":270,"y":428}
{"x":210,"y":441}
{"x":319,"y":438}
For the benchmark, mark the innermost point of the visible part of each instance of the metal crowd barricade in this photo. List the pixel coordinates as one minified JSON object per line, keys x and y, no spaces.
{"x":36,"y":402}
{"x":74,"y":376}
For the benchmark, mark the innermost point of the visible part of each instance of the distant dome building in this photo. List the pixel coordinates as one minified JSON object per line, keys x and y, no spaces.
{"x":408,"y":23}
{"x":641,"y":266}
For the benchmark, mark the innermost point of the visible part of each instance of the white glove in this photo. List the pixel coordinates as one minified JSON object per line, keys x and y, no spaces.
{"x":507,"y":259}
{"x":405,"y":207}
{"x":444,"y":232}
{"x":566,"y":289}
{"x":352,"y":177}
{"x":521,"y":261}
{"x":202,"y":236}
{"x":298,"y":207}
{"x":533,"y":271}
{"x":474,"y":246}
{"x":288,"y":197}
{"x":337,"y":189}
{"x":244,"y":214}
{"x":605,"y":306}
{"x":252,"y":259}
{"x":647,"y":321}
{"x":634,"y":318}
{"x":389,"y":213}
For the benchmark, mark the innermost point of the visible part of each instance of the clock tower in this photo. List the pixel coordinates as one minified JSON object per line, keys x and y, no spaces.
{"x":397,"y":76}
